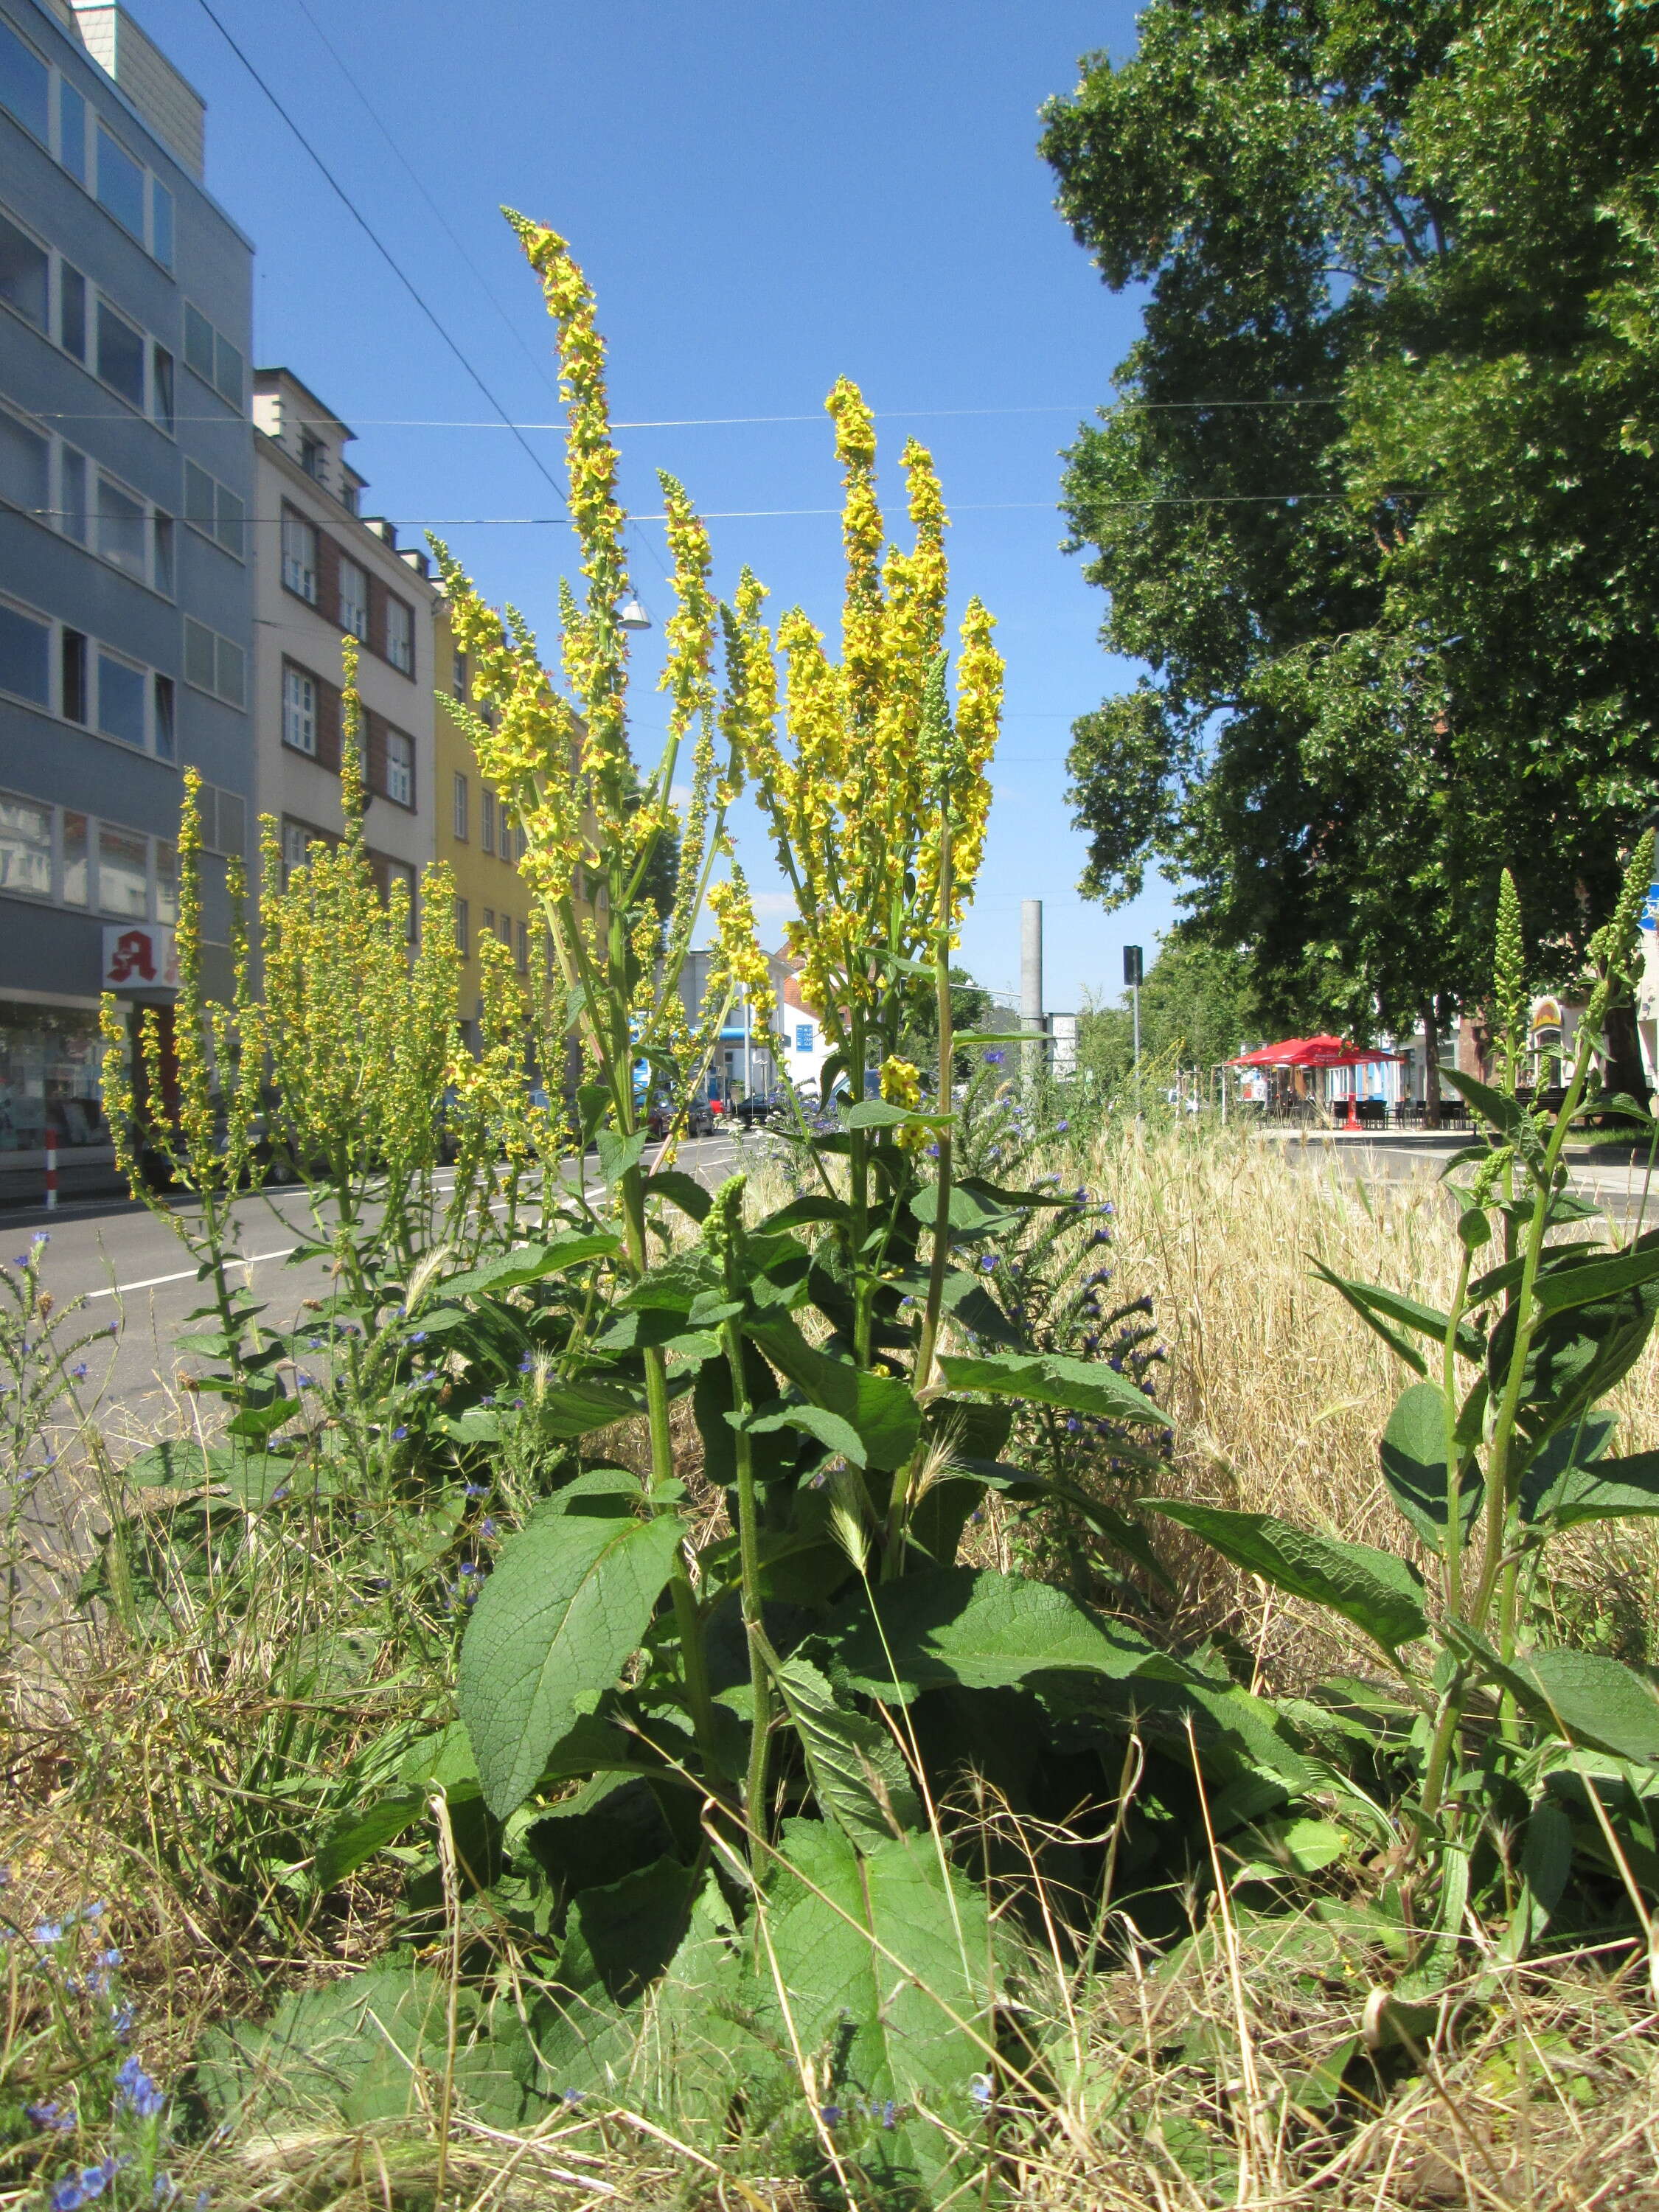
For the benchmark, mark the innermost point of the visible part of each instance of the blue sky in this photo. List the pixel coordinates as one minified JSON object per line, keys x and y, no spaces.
{"x":764,"y":199}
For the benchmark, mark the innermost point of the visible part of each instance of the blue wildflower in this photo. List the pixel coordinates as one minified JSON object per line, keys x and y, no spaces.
{"x":307,"y":1381}
{"x":887,"y":2113}
{"x":466,"y":1568}
{"x":572,"y":2096}
{"x":418,"y":1336}
{"x":68,"y":2195}
{"x":135,"y":2091}
{"x":79,"y":1371}
{"x":1063,"y":1126}
{"x":51,"y":2116}
{"x":526,"y":1362}
{"x":994,"y":1059}
{"x":22,"y":1260}
{"x":398,"y":1434}
{"x":979,"y":2088}
{"x":487,"y":1528}
{"x":121,"y":2020}
{"x":40,"y":1237}
{"x":831,"y":2115}
{"x":987,"y":1263}
{"x":48,"y":1933}
{"x":478,"y":1490}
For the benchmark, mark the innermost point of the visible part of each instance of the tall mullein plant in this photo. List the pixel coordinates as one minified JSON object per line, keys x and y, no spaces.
{"x":876,"y":797}
{"x":206,"y":1137}
{"x":360,"y":1036}
{"x":592,"y":822}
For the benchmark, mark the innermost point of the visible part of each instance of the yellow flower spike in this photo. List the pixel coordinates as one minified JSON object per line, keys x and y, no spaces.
{"x":862,"y":640}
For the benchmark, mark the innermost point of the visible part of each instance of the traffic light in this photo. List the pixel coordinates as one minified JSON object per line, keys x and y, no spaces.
{"x":1132,"y":964}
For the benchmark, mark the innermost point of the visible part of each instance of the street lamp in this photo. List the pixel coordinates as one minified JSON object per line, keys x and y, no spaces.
{"x":634,"y":617}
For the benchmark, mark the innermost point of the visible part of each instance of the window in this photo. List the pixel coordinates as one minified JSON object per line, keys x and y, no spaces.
{"x":72,"y":658}
{"x":127,"y":862}
{"x":487,"y":821}
{"x":71,"y":131}
{"x":314,"y":460}
{"x":213,"y":664}
{"x":300,"y":557}
{"x":213,"y":357}
{"x":300,"y":711}
{"x":161,"y":551}
{"x":120,"y":355}
{"x":161,"y":223}
{"x":120,"y":184}
{"x":74,"y":509}
{"x":399,"y":871}
{"x":22,"y":274}
{"x":121,"y":520}
{"x":399,"y":768}
{"x":353,"y":599}
{"x":25,"y":460}
{"x":25,"y":846}
{"x":76,"y":887}
{"x":224,"y":820}
{"x":25,"y":81}
{"x":71,"y":310}
{"x":459,"y":815}
{"x":25,"y":655}
{"x":121,"y":688}
{"x":123,"y":872}
{"x":160,"y":386}
{"x":296,"y":843}
{"x":488,"y":922}
{"x":524,"y":947}
{"x":198,"y":343}
{"x":214,"y":509}
{"x":400,"y":635}
{"x":348,"y":496}
{"x":165,"y":740}
{"x":459,"y":678}
{"x":167,"y":883}
{"x":227,"y":370}
{"x":461,"y":923}
{"x":504,"y":930}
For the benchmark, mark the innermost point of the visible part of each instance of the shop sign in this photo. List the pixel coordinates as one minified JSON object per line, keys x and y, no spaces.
{"x":137,"y":957}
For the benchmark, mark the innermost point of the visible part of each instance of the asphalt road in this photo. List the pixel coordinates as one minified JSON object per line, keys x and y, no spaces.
{"x":139,"y":1282}
{"x":1629,"y":1194}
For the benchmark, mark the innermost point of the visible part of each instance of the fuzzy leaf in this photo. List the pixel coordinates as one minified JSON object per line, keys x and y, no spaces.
{"x":1413,"y":1453}
{"x":977,"y":1630}
{"x":1049,"y":1378}
{"x":1374,"y":1590}
{"x":566,"y":1607}
{"x":860,"y":1780}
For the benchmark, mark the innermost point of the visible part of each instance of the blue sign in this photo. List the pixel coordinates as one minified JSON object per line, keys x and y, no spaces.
{"x":1650,"y":908}
{"x":804,"y":1029}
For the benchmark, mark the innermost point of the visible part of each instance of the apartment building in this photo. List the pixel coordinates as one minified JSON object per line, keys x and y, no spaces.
{"x":125,"y":593}
{"x":478,"y":839}
{"x":325,"y":570}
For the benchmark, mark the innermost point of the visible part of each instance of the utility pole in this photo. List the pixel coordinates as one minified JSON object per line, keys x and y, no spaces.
{"x":1031,"y":978}
{"x":1132,"y":977}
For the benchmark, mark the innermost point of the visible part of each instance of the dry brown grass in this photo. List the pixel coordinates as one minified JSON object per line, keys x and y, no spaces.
{"x":1280,"y":1393}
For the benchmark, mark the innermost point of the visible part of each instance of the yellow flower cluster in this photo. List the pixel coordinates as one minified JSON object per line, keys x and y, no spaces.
{"x":855,"y":801}
{"x":739,"y":962}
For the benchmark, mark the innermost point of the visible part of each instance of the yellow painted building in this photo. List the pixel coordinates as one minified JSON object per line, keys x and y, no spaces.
{"x":475,"y":838}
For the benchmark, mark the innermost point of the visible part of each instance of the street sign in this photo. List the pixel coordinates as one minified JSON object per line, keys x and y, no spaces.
{"x":1132,"y":964}
{"x":137,"y":957}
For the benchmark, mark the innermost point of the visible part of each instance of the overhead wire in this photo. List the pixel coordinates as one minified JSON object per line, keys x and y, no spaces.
{"x":390,"y":259}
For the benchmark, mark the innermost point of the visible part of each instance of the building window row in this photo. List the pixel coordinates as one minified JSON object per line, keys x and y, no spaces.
{"x":51,"y":293}
{"x":67,"y":859}
{"x":64,"y":672}
{"x":214,"y":664}
{"x":342,"y":590}
{"x":515,"y":935}
{"x":311,"y":726}
{"x":219,"y":364}
{"x":56,"y":483}
{"x":217,"y":511}
{"x":43,"y":99}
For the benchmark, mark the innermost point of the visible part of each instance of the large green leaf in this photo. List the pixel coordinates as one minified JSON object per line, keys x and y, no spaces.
{"x":1581,"y":1274}
{"x":1590,"y":1700}
{"x":577,"y":1408}
{"x":977,"y":1629}
{"x":1382,"y":1308}
{"x":679,"y":1189}
{"x":529,"y":1263}
{"x":623,"y":1935}
{"x":1377,"y":1592}
{"x":1050,"y":1379}
{"x":1413,"y":1453}
{"x":973,"y":1211}
{"x":1577,"y":1355}
{"x":880,"y":1955}
{"x":859,"y":1779}
{"x":879,"y":1407}
{"x":565,"y":1609}
{"x":1609,"y":1490}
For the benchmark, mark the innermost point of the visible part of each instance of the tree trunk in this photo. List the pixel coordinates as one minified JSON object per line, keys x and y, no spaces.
{"x":1431,"y":1066}
{"x":1623,"y":1067}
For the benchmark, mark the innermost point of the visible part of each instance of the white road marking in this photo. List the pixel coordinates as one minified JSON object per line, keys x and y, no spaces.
{"x":255,"y":1259}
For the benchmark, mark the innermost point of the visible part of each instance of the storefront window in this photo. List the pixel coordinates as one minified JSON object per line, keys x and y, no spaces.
{"x":50,"y":1064}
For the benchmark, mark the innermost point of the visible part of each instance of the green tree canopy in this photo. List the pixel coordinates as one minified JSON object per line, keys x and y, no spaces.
{"x":1378,"y":501}
{"x":1197,"y":1008}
